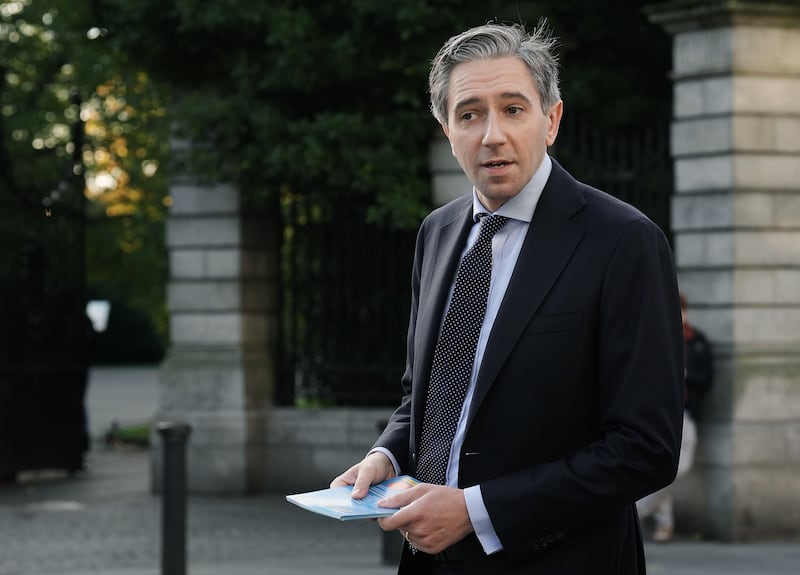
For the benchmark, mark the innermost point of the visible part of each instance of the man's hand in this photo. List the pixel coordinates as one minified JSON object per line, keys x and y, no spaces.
{"x":431,"y":517}
{"x":373,"y":469}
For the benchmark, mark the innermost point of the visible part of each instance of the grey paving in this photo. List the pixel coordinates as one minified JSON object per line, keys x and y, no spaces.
{"x":107,"y":521}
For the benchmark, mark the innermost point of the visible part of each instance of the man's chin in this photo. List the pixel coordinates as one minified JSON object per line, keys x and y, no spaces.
{"x":496,"y":195}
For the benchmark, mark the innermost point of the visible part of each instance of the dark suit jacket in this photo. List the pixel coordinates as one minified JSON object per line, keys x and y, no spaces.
{"x":578,"y":404}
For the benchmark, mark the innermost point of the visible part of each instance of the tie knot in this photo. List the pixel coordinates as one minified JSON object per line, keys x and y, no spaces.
{"x":490,"y":225}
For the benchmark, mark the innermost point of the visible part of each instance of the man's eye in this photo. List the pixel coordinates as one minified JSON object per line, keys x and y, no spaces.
{"x":514,"y":110}
{"x":466,"y":116}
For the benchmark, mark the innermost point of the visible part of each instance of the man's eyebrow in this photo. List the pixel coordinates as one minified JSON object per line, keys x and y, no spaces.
{"x":515,"y":96}
{"x":464,"y":103}
{"x":505,"y":96}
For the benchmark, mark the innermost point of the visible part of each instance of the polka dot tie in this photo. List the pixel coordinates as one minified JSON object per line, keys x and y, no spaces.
{"x":454,"y":356}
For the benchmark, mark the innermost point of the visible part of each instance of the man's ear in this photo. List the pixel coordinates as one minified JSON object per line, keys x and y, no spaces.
{"x":554,"y":121}
{"x":447,"y":135}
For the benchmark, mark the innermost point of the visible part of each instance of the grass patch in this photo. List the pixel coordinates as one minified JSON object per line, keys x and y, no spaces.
{"x":134,"y":434}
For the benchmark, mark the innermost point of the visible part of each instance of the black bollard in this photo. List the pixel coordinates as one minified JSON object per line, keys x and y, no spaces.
{"x":174,"y":436}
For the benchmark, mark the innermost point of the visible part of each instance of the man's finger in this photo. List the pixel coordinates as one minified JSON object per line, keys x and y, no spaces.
{"x":404,"y":497}
{"x":346,"y":478}
{"x":361,"y":485}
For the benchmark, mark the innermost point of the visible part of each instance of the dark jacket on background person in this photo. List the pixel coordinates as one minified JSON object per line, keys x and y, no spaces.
{"x":699,"y":369}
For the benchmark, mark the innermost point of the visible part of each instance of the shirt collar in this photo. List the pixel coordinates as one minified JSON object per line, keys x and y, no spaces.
{"x":521,"y":206}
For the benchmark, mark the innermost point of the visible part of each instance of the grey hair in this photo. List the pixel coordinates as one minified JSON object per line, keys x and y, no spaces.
{"x":494,"y":40}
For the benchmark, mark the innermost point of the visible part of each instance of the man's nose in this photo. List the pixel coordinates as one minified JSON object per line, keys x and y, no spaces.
{"x":494,"y":134}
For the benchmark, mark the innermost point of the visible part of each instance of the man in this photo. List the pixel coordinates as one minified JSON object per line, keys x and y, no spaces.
{"x":572,"y":408}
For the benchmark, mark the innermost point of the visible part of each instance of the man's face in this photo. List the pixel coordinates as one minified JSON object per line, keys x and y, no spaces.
{"x":496,"y":127}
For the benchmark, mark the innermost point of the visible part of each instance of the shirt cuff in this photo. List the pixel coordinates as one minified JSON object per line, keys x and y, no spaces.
{"x":388,"y":454}
{"x":481,"y":522}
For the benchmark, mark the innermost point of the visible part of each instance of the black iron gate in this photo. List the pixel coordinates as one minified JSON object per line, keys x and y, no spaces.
{"x":346,"y":283}
{"x":634,"y":166}
{"x":45,"y":335}
{"x":345,"y":301}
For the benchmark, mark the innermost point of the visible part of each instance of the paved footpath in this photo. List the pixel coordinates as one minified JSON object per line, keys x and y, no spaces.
{"x":106,"y":521}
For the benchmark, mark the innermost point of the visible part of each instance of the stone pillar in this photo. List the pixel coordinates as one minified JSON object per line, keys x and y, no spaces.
{"x":218,"y":374}
{"x":736,"y":224}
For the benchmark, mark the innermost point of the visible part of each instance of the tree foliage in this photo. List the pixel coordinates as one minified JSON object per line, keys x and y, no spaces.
{"x":294,"y":95}
{"x":56,"y":73}
{"x":285,"y":96}
{"x":37,"y":106}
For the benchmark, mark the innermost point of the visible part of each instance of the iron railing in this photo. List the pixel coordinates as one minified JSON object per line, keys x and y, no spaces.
{"x":346,"y":283}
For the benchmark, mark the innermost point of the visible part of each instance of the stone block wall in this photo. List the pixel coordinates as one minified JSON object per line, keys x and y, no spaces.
{"x":307,"y":448}
{"x":736,"y":148}
{"x":219,"y":371}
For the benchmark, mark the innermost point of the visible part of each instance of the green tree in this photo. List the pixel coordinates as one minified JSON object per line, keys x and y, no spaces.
{"x":37,"y":106}
{"x":53,"y":58}
{"x":128,"y":193}
{"x":298,"y":95}
{"x":286,"y":97}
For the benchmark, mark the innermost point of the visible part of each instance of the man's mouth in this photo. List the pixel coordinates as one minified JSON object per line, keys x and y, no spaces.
{"x":495,"y":165}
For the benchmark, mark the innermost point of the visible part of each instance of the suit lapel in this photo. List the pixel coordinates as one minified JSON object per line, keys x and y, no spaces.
{"x":548,"y":246}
